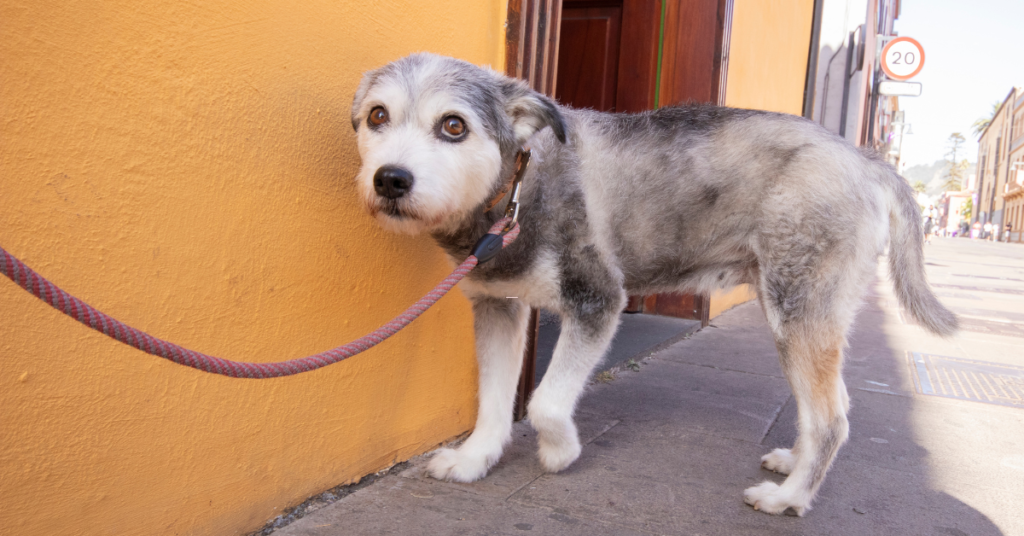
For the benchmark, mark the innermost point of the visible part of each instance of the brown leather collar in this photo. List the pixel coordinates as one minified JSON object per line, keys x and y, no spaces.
{"x":508,"y":184}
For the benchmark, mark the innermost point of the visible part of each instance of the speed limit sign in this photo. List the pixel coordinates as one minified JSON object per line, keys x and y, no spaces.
{"x":902,"y":58}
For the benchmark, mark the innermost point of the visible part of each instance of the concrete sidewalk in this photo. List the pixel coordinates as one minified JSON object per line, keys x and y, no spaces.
{"x":669,"y":449}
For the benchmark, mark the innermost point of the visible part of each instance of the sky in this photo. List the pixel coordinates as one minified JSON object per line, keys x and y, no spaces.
{"x":974,"y":55}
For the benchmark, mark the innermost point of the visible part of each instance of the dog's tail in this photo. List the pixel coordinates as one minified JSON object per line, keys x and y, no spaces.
{"x":906,"y":260}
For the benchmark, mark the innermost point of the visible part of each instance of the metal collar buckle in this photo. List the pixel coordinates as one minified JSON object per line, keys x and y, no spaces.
{"x":512,"y":209}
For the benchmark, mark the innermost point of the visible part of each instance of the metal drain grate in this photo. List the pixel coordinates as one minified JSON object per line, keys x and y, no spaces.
{"x":967,"y":379}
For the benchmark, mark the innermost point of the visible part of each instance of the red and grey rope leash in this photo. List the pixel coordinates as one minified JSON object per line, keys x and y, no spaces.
{"x":39,"y":287}
{"x":499,"y":236}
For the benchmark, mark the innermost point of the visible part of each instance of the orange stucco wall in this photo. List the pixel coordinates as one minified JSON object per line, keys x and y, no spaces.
{"x":187,"y":168}
{"x":768,"y":54}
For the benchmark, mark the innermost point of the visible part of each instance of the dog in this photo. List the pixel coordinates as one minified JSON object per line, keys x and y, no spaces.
{"x":680,"y":199}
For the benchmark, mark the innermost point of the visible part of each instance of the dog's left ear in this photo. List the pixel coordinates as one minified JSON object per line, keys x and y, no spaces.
{"x":530,"y":111}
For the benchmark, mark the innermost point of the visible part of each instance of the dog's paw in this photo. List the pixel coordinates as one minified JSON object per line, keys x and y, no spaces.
{"x":559,"y":453}
{"x":458,"y":465}
{"x":769,"y":498}
{"x":779,"y":460}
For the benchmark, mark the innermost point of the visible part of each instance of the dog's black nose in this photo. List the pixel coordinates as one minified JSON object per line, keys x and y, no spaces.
{"x":392,"y":182}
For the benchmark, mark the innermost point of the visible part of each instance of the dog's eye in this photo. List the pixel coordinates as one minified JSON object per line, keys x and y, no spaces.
{"x":453,"y":126}
{"x":378,"y":116}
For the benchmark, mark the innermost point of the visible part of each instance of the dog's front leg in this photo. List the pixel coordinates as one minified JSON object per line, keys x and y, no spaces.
{"x":500,"y":326}
{"x":587,"y":331}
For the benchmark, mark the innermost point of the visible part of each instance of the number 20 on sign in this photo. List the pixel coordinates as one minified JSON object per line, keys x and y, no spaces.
{"x":902,"y":58}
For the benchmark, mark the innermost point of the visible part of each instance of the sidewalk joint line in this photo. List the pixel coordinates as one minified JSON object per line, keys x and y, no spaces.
{"x":726,"y":369}
{"x":775,"y":419}
{"x":884,"y":392}
{"x":520,"y":488}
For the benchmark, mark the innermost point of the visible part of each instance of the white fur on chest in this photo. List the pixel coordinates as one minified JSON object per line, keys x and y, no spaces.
{"x":537,"y":288}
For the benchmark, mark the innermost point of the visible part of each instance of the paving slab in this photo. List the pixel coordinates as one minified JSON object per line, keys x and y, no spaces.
{"x":690,"y":488}
{"x":731,"y":344}
{"x":402,"y":506}
{"x":731,"y":404}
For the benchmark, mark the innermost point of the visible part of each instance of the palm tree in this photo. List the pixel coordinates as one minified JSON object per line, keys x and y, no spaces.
{"x":982,"y":123}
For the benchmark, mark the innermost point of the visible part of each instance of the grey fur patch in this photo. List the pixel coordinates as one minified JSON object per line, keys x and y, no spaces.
{"x":496,"y":309}
{"x":709,"y":195}
{"x":828,"y":444}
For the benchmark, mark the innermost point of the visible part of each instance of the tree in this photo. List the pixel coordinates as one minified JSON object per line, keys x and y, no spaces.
{"x":955,"y":172}
{"x":955,"y":176}
{"x":982,"y":123}
{"x":919,"y":187}
{"x":967,"y":209}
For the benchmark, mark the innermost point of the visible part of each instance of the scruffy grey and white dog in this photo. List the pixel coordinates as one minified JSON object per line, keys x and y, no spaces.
{"x":687,"y":198}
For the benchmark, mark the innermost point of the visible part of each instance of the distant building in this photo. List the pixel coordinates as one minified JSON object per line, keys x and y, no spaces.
{"x":994,"y":164}
{"x":844,"y":71}
{"x":1013,"y":190}
{"x":951,"y":205}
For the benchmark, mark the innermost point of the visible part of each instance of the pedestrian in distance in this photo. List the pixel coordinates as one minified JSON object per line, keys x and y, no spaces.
{"x":931,"y":216}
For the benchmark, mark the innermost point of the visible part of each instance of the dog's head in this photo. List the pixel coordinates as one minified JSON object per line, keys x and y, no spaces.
{"x":437,"y":135}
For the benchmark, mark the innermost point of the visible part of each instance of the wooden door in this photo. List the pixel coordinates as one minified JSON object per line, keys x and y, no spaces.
{"x":695,"y":59}
{"x":695,"y":51}
{"x":608,"y":54}
{"x":588,"y":56}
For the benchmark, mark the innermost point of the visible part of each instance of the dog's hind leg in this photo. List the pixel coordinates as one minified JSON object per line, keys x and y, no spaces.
{"x":500,"y":326}
{"x":587,"y":330}
{"x":811,"y":352}
{"x":822,"y":402}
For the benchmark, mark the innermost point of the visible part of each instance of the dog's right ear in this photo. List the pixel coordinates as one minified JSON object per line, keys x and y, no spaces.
{"x":530,"y":111}
{"x":364,"y":86}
